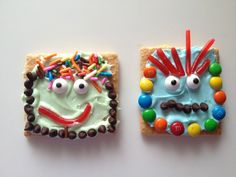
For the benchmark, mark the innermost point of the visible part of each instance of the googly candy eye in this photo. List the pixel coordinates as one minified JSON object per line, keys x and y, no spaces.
{"x":172,"y":83}
{"x":193,"y":81}
{"x":59,"y":86}
{"x":81,"y":86}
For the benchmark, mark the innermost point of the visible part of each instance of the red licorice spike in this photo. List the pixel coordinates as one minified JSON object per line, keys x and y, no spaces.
{"x":159,"y":65}
{"x":203,"y":67}
{"x":177,"y":61}
{"x":167,"y":62}
{"x":201,"y":55}
{"x":62,"y":121}
{"x":188,"y":53}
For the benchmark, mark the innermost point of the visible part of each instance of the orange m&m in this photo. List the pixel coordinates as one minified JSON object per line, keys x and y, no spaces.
{"x":220,"y":97}
{"x":149,"y":72}
{"x":160,"y":125}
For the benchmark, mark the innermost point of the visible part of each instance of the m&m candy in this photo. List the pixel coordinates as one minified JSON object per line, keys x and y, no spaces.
{"x":149,"y":115}
{"x":220,"y":97}
{"x":160,"y":125}
{"x":149,"y":72}
{"x":210,"y":125}
{"x":146,"y":85}
{"x":194,"y":129}
{"x":177,"y":128}
{"x":216,"y":83}
{"x":145,"y":100}
{"x":218,"y":112}
{"x":215,"y":69}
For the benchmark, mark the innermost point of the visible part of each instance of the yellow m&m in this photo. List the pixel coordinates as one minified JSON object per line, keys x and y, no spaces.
{"x":216,"y":83}
{"x":146,"y":85}
{"x":194,"y":129}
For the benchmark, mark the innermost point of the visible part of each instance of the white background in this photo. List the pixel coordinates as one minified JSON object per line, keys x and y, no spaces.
{"x":122,"y":27}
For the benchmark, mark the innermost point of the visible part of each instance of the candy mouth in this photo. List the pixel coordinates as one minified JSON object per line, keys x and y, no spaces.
{"x":186,"y":108}
{"x":65,"y":121}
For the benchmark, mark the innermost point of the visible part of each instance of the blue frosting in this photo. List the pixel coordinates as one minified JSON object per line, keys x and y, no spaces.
{"x":204,"y":93}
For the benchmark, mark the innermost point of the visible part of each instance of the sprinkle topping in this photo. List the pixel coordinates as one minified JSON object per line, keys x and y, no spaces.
{"x":91,"y":67}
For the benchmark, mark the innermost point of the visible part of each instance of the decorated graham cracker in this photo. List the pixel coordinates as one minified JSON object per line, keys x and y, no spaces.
{"x":181,"y":90}
{"x":70,"y":96}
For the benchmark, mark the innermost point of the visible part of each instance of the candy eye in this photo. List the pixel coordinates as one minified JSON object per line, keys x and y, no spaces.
{"x":172,"y":83}
{"x":193,"y":81}
{"x":59,"y":86}
{"x":81,"y":86}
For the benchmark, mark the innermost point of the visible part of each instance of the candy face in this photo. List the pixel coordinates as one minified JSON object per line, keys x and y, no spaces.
{"x":145,"y":101}
{"x":58,"y":101}
{"x":215,"y":69}
{"x":185,"y":92}
{"x":216,"y":83}
{"x":146,"y":85}
{"x":149,"y":115}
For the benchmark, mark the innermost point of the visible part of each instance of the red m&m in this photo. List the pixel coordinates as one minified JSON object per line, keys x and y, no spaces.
{"x":220,"y":97}
{"x":149,"y":72}
{"x":177,"y":128}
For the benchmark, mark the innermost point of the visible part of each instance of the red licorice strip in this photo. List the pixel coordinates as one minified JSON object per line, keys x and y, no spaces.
{"x":203,"y":67}
{"x":167,"y":62}
{"x":188,"y":53}
{"x":177,"y":61}
{"x":62,"y":121}
{"x":159,"y":65}
{"x":202,"y":54}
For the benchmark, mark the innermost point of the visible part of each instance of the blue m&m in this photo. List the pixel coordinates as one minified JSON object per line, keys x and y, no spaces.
{"x":218,"y":112}
{"x":145,"y":100}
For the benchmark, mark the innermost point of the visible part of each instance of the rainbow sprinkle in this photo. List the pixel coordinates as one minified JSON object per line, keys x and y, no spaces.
{"x":91,"y":67}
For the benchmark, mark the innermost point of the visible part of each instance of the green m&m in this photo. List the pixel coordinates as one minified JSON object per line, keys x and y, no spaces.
{"x":210,"y":125}
{"x":149,"y":115}
{"x":215,"y":69}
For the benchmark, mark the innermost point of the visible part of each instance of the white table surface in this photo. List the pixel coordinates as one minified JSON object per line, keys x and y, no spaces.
{"x":123,"y":27}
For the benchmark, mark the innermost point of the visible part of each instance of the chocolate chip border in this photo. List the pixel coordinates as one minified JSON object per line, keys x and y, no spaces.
{"x":64,"y":133}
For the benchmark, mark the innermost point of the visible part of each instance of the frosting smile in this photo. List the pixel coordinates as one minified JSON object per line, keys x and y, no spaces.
{"x":187,"y":108}
{"x":64,"y":121}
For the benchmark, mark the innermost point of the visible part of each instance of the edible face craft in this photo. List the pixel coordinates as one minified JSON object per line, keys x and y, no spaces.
{"x":69,"y":96}
{"x":181,"y":90}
